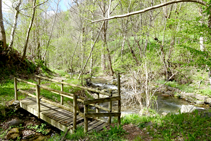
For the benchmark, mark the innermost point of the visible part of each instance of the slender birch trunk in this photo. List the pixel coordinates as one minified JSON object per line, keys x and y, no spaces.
{"x":29,"y":30}
{"x":14,"y":24}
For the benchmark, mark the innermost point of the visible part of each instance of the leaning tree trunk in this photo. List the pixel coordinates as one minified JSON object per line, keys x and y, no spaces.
{"x":14,"y":24}
{"x":90,"y":54}
{"x":29,"y":30}
{"x":2,"y":31}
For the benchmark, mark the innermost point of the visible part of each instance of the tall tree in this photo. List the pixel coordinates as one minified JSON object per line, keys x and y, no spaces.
{"x":29,"y":30}
{"x":17,"y":11}
{"x":2,"y":31}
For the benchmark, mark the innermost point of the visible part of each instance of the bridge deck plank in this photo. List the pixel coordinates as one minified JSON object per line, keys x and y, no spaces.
{"x":58,"y":117}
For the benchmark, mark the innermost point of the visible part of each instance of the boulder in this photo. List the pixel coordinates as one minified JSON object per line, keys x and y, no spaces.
{"x":199,"y":102}
{"x":187,"y":108}
{"x":208,"y":100}
{"x":13,"y":134}
{"x":14,"y":122}
{"x":28,"y":134}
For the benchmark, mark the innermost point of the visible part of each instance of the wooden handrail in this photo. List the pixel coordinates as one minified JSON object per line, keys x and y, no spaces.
{"x":101,"y":114}
{"x":73,"y":85}
{"x":65,"y":94}
{"x":101,"y":100}
{"x":21,"y":80}
{"x":75,"y":99}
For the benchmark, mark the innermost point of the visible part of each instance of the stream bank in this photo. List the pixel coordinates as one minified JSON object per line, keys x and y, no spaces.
{"x":169,"y":99}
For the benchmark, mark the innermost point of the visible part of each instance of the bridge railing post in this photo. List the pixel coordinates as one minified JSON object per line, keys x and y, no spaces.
{"x":110,"y":107}
{"x":62,"y":87}
{"x":15,"y":88}
{"x":119,"y":101}
{"x":38,"y":100}
{"x":85,"y":118}
{"x":74,"y":111}
{"x":97,"y":109}
{"x":38,"y":80}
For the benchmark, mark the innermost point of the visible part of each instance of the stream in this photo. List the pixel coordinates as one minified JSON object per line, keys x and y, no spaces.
{"x":164,"y":104}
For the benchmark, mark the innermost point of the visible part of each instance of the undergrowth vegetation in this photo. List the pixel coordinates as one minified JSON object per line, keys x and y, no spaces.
{"x":183,"y":126}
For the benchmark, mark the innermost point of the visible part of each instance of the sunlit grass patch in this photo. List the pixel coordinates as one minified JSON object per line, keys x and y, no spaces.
{"x":188,"y":126}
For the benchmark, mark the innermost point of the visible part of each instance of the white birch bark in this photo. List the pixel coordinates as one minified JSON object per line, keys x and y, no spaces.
{"x":14,"y":24}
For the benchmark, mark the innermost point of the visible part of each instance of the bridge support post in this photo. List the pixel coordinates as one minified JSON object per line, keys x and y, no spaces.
{"x":74,"y":111}
{"x":38,"y":81}
{"x":110,"y":108}
{"x":38,"y":100}
{"x":85,"y":119}
{"x":62,"y":91}
{"x":15,"y":88}
{"x":119,"y":101}
{"x":97,"y":109}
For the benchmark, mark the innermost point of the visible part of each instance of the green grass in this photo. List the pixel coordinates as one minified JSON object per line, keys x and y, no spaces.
{"x":206,"y":91}
{"x":7,"y":90}
{"x":184,"y":87}
{"x":115,"y":133}
{"x":190,"y":88}
{"x":186,"y":126}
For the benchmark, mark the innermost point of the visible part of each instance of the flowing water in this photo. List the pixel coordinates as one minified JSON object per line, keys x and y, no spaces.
{"x":164,"y":104}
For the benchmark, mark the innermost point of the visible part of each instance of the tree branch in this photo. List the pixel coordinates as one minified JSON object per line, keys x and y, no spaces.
{"x":150,"y":8}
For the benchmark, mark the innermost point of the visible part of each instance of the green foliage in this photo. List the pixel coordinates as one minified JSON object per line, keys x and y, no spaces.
{"x":114,"y":133}
{"x":79,"y":134}
{"x":40,"y":129}
{"x":186,"y":126}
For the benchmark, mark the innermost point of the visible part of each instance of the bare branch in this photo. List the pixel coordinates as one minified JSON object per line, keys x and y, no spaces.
{"x":150,"y":8}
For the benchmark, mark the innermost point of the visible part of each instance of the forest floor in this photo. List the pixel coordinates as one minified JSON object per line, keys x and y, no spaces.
{"x":20,"y":124}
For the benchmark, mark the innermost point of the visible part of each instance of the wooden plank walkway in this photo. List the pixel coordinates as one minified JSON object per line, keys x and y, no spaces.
{"x":58,"y":117}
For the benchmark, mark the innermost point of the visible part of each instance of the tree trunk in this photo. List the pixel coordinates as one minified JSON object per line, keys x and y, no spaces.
{"x":2,"y":31}
{"x":209,"y":25}
{"x":29,"y":30}
{"x":92,"y":48}
{"x":14,"y":24}
{"x":132,"y":52}
{"x":103,"y":61}
{"x":52,"y":28}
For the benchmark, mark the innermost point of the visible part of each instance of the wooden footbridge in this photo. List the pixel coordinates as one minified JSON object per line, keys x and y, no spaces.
{"x":69,"y":117}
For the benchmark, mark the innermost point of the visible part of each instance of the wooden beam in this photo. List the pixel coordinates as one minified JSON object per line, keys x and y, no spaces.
{"x":38,"y":100}
{"x":97,"y":109}
{"x":38,"y":81}
{"x":21,"y":80}
{"x":74,"y":112}
{"x":61,"y":97}
{"x":101,"y":100}
{"x":15,"y":88}
{"x":119,"y":101}
{"x":85,"y":119}
{"x":57,"y":91}
{"x":28,"y":93}
{"x":53,"y":103}
{"x":73,"y":85}
{"x":101,"y":114}
{"x":110,"y":109}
